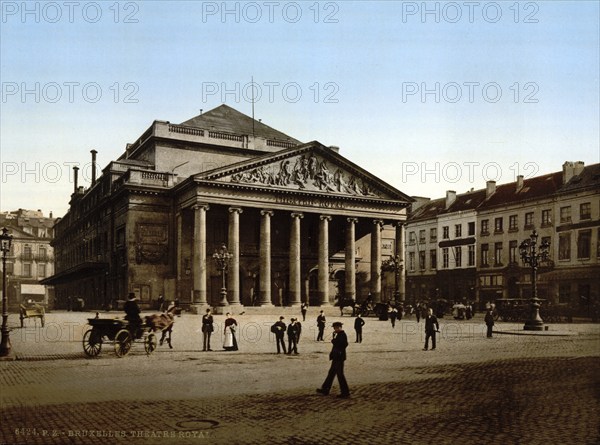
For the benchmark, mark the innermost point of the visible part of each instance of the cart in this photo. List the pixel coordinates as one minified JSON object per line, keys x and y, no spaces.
{"x":119,"y":332}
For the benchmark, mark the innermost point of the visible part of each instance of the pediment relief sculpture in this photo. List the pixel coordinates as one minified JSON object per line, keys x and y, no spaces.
{"x":306,"y":172}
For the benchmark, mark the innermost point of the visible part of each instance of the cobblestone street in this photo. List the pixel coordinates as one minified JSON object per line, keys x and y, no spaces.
{"x":511,"y":389}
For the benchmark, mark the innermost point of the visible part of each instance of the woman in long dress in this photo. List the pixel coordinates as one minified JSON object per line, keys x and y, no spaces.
{"x":230,"y":343}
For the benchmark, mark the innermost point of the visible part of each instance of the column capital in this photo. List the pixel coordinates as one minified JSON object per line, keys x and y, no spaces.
{"x":325,"y":217}
{"x":352,"y":220}
{"x":399,"y":223}
{"x":236,"y":209}
{"x":199,"y":206}
{"x":266,"y":212}
{"x":378,"y":222}
{"x":297,"y":215}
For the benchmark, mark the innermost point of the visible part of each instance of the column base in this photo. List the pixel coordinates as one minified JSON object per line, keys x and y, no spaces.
{"x":9,"y":357}
{"x":199,"y":308}
{"x":234,"y":308}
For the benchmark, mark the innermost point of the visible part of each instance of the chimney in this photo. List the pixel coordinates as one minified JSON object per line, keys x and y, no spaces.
{"x":93,"y":152}
{"x":50,"y":214}
{"x":490,"y":188}
{"x":519,"y":182}
{"x":578,"y":168}
{"x":419,"y":201}
{"x":75,"y":170}
{"x":450,"y":198}
{"x":572,"y":169}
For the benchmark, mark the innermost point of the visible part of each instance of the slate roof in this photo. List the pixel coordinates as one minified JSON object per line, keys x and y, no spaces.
{"x":543,"y":186}
{"x":227,"y":119}
{"x":538,"y":187}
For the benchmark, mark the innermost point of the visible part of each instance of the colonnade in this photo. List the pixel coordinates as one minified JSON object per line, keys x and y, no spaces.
{"x":199,"y":259}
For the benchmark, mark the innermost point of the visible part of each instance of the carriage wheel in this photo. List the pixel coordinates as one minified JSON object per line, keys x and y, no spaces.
{"x":122,"y":343}
{"x":92,"y":343}
{"x":150,"y":343}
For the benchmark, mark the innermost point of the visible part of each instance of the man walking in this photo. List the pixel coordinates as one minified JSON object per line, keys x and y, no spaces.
{"x":321,"y":325}
{"x":337,"y":357}
{"x":393,"y":313}
{"x":431,"y":327}
{"x":303,"y":309}
{"x":279,"y":330}
{"x":358,"y":325}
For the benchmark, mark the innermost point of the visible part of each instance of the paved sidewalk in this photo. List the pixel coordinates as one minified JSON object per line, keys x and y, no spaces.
{"x":506,"y":390}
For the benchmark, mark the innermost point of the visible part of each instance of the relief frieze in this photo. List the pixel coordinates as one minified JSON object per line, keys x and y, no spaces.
{"x":306,"y":172}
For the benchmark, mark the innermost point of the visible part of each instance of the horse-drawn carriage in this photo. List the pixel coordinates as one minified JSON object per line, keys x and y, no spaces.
{"x":123,"y":334}
{"x":364,"y":309}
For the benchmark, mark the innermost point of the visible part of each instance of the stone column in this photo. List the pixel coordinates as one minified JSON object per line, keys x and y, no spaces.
{"x":179,"y":228}
{"x":376,"y":260}
{"x":233,"y":277}
{"x":323,"y":291}
{"x":264,"y":292}
{"x":295,"y":264}
{"x":401,"y":285}
{"x":199,"y":259}
{"x":350,"y":258}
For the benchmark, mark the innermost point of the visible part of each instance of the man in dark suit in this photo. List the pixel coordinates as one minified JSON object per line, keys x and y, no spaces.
{"x":279,"y":334}
{"x":431,"y":327}
{"x":321,"y":325}
{"x":358,"y":324}
{"x":292,"y":333}
{"x":337,"y":357}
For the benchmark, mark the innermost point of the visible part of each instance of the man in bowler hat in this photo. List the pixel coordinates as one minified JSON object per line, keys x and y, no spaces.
{"x":337,"y":357}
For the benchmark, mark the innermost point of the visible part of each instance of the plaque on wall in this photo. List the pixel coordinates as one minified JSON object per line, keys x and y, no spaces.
{"x":152,"y":243}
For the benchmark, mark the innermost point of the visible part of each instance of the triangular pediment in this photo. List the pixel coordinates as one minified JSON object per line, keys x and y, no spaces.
{"x":309,"y":168}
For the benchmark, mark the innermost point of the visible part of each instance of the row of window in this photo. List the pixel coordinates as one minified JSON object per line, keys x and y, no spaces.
{"x":454,"y":255}
{"x":585,"y":213}
{"x":27,"y":270}
{"x":28,"y":252}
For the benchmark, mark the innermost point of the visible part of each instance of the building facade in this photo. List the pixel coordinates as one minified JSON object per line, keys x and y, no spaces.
{"x":564,"y":209}
{"x":31,"y":257}
{"x":300,"y":221}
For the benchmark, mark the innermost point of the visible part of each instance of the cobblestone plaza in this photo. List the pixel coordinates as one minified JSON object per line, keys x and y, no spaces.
{"x":523,"y":389}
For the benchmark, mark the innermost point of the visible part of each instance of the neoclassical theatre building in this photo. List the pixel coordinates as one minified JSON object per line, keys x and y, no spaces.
{"x":299,"y":221}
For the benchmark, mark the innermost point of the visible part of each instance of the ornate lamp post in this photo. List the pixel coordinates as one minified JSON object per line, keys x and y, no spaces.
{"x":222,"y":257}
{"x":394,"y":264}
{"x":533,"y":255}
{"x":5,"y":243}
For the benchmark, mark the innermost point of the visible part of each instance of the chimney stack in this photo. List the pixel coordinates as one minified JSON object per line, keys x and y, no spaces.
{"x":490,"y":188}
{"x":450,"y":198}
{"x":93,"y":152}
{"x":519,"y":182}
{"x":75,"y":173}
{"x":572,"y":169}
{"x":50,"y":213}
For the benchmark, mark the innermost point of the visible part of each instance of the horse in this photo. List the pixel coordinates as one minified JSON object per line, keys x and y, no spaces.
{"x":164,"y":323}
{"x":346,"y":302}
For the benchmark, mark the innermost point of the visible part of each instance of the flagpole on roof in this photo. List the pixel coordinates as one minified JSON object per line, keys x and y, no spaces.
{"x":252,"y":83}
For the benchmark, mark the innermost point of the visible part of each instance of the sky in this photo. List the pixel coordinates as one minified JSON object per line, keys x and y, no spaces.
{"x":428,"y":96}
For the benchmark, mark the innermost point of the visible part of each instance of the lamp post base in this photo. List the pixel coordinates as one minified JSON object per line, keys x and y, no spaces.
{"x":5,"y":346}
{"x":535,"y":322}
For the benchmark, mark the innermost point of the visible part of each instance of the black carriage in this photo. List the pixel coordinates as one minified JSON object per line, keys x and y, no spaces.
{"x":120,"y":333}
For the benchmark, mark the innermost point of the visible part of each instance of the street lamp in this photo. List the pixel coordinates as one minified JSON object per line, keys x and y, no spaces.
{"x":394,"y":264}
{"x":222,"y":257}
{"x":5,"y":243}
{"x":533,"y":255}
